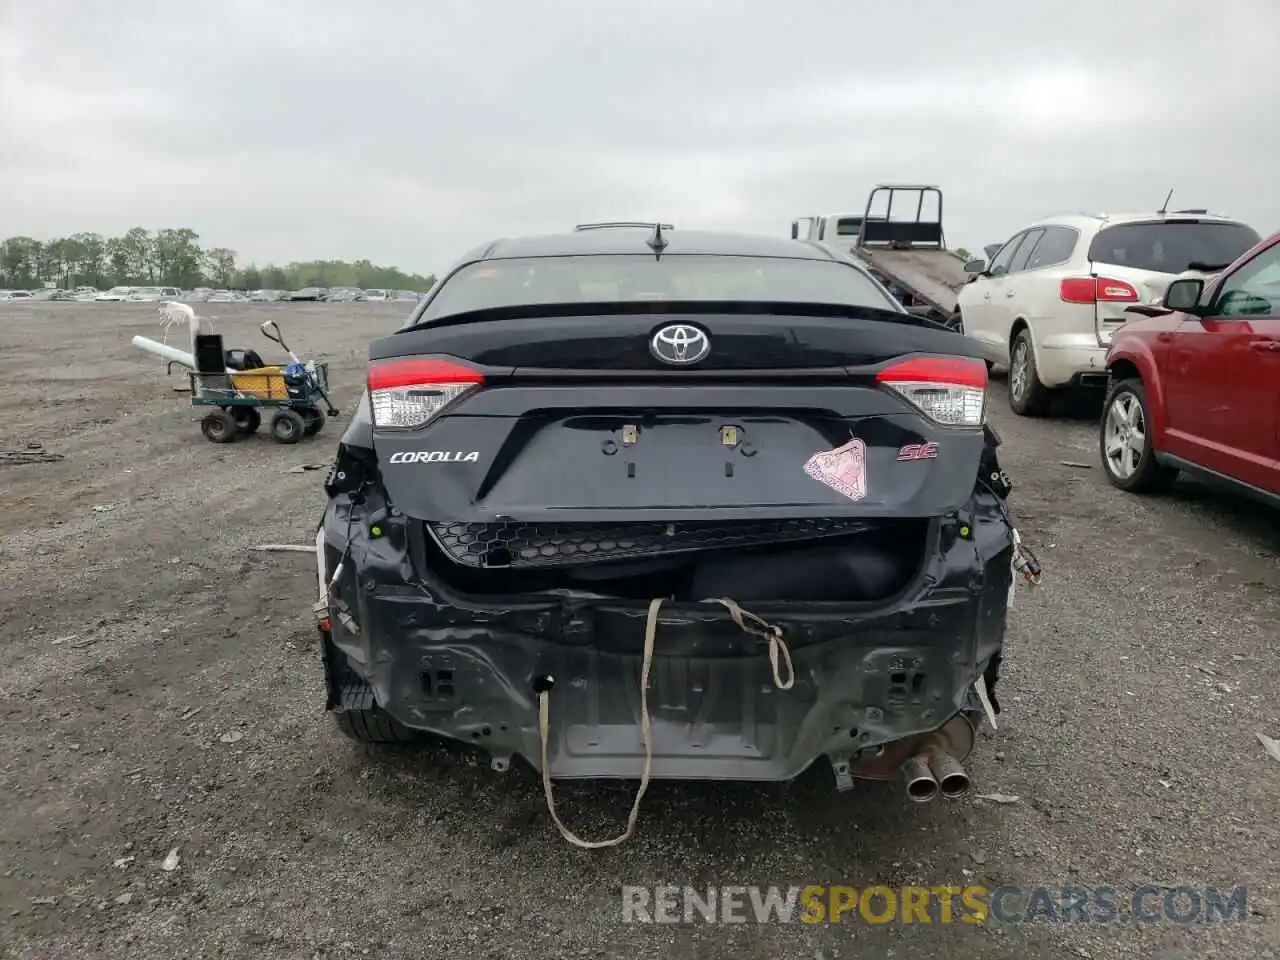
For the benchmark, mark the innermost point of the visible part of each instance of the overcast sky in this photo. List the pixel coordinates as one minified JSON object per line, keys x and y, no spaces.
{"x":405,"y":132}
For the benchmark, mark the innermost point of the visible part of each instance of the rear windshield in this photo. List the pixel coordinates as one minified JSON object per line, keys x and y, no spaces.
{"x":627,"y":278}
{"x":1171,"y":246}
{"x":849,"y":227}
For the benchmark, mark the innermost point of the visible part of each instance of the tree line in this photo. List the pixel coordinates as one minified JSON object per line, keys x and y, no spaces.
{"x":175,"y":258}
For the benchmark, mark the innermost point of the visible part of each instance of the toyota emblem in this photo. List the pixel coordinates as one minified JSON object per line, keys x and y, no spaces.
{"x":680,"y":344}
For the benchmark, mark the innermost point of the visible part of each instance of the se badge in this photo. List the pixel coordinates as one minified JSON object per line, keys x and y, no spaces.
{"x":918,"y":451}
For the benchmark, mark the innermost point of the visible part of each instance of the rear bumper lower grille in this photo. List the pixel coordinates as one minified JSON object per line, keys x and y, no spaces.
{"x":556,"y":544}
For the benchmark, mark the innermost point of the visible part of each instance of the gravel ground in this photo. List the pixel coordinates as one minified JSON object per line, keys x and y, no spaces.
{"x":161,"y":690}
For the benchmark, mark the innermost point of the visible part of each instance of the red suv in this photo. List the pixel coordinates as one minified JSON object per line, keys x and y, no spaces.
{"x":1195,"y":382}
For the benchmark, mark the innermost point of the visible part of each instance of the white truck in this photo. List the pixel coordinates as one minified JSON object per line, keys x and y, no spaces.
{"x":898,"y":236}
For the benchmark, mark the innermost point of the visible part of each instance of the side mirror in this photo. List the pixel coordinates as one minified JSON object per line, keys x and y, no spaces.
{"x":975,"y":267}
{"x":795,"y":229}
{"x":1183,"y":295}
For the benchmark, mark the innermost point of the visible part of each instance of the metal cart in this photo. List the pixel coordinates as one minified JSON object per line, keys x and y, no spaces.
{"x":296,"y":392}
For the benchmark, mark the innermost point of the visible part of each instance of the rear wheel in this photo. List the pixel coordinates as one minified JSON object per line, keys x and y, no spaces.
{"x":1027,"y":395}
{"x":1126,"y":443}
{"x":355,"y":713}
{"x":373,"y":725}
{"x":287,"y":426}
{"x":218,"y":426}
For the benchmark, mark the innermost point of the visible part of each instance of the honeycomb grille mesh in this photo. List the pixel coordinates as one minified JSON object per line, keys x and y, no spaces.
{"x":554,"y":544}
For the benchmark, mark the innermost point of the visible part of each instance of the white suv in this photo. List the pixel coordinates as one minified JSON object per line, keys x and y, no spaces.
{"x":1048,"y":303}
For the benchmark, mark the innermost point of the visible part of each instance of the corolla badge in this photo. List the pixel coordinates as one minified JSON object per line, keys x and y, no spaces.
{"x":680,"y":344}
{"x":434,"y":456}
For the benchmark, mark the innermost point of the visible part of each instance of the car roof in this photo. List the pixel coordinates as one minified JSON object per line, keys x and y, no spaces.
{"x":1096,"y":221}
{"x":628,"y":240}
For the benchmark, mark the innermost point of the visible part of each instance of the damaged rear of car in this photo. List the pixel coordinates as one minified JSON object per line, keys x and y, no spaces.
{"x":690,"y":506}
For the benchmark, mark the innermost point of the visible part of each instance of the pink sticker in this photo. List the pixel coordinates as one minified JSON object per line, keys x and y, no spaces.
{"x":843,"y":469}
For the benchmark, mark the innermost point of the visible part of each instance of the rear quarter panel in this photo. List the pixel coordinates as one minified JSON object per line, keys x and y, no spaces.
{"x":1055,"y":326}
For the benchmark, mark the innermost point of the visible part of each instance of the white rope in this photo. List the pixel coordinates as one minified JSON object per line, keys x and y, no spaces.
{"x":778,"y":650}
{"x":778,"y":654}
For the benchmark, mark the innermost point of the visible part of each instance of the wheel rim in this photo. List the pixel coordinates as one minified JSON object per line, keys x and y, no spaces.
{"x":1018,"y":375}
{"x":1124,"y":436}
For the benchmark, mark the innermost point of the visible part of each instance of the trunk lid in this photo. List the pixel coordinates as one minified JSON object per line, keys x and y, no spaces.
{"x":571,"y":418}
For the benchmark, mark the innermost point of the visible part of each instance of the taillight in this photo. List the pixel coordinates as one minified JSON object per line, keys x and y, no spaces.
{"x":1097,"y":290}
{"x":947,"y":390}
{"x":405,"y":393}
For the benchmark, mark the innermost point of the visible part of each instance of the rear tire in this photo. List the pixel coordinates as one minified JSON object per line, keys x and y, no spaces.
{"x":1125,"y":442}
{"x":1028,"y":397}
{"x":287,"y":426}
{"x":374,"y":726}
{"x":368,"y":722}
{"x":218,"y":426}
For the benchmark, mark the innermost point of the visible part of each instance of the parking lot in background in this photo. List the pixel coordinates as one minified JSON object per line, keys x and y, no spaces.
{"x":161,"y":690}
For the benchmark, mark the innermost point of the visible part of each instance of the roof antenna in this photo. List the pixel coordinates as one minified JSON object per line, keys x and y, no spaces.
{"x":1165,"y":209}
{"x":657,"y":243}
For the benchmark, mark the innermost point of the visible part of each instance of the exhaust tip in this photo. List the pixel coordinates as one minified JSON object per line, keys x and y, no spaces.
{"x":954,"y":786}
{"x":921,"y":785}
{"x":953,"y":782}
{"x":922,"y":789}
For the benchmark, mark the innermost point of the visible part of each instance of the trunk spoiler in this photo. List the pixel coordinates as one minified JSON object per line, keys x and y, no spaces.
{"x":672,"y":308}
